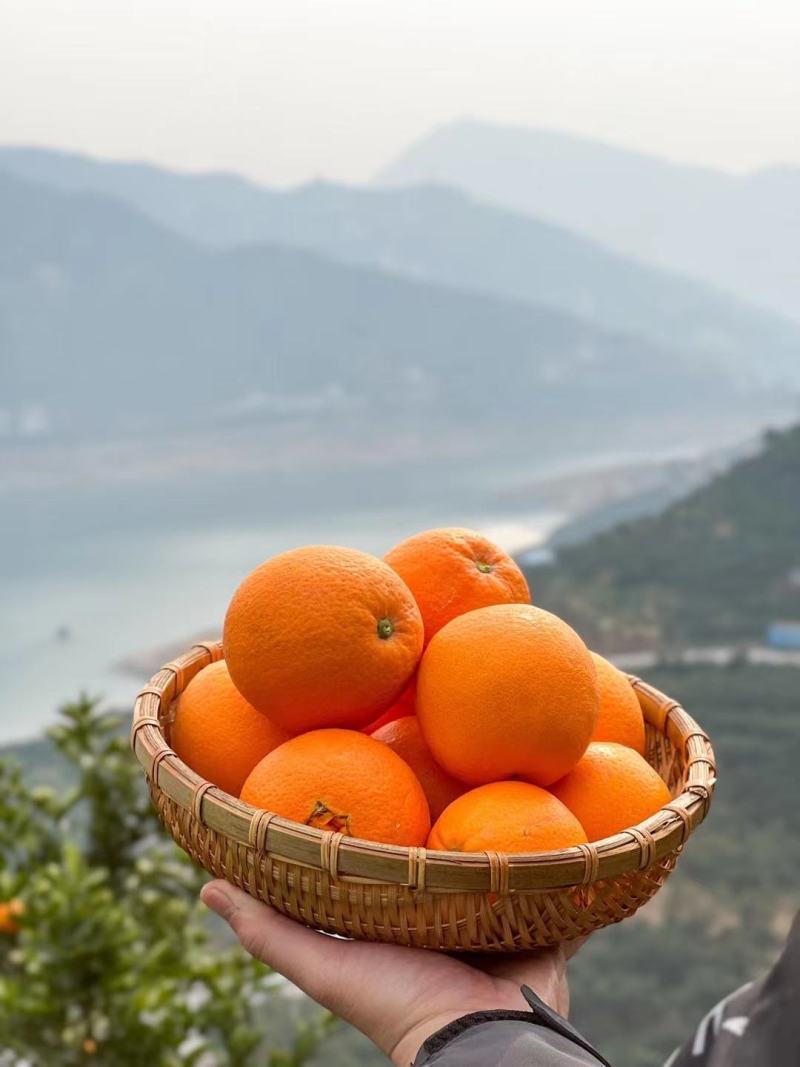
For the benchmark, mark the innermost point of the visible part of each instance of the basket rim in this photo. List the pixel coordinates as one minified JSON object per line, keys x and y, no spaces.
{"x":358,"y":860}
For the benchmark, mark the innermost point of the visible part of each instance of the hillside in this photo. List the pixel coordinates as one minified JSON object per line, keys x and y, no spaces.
{"x":109,"y":320}
{"x":721,"y":918}
{"x":715,"y":567}
{"x":441,"y":236}
{"x":738,"y":232}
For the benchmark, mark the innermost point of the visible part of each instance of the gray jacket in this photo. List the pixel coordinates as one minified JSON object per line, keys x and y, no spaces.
{"x":538,"y":1038}
{"x":757,"y":1026}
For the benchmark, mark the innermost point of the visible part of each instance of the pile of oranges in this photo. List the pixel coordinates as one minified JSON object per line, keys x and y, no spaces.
{"x":417,"y":700}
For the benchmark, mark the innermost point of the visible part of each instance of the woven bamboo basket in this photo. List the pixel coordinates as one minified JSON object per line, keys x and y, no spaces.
{"x":412,"y":896}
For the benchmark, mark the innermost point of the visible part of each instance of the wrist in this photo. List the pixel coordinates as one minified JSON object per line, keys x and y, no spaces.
{"x":408,"y":1046}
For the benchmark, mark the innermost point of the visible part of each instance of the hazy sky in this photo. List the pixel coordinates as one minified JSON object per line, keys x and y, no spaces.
{"x":286,"y":90}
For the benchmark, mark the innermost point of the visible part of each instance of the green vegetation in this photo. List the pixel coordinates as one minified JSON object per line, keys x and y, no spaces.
{"x":715,"y":567}
{"x":638,"y":989}
{"x":112,"y":960}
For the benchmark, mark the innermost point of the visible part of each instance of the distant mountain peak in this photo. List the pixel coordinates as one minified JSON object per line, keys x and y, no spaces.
{"x":524,"y":139}
{"x":739,"y":232}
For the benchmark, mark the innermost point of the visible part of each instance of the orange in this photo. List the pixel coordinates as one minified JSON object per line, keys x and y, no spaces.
{"x":619,"y":718}
{"x":342,"y":780}
{"x":506,"y":817}
{"x":218,"y":733}
{"x":610,"y":789}
{"x":451,"y":571}
{"x":10,"y":912}
{"x":507,"y":691}
{"x":406,"y":704}
{"x":403,"y":736}
{"x":322,"y":636}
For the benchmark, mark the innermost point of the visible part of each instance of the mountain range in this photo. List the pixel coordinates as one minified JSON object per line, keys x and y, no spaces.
{"x":740,"y":232}
{"x":443,"y":237}
{"x":109,"y":320}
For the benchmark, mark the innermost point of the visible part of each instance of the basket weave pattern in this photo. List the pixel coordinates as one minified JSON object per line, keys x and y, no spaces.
{"x":412,"y":896}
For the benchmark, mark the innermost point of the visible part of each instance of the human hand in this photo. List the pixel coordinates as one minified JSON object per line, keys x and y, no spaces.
{"x":397,"y":996}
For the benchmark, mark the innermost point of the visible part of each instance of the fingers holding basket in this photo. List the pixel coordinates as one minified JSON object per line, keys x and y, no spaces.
{"x":305,"y":957}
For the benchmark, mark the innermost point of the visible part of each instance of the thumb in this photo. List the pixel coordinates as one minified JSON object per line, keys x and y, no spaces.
{"x":308,"y":959}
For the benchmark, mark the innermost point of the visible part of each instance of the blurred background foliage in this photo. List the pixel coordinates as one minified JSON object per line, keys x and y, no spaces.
{"x":106,"y":955}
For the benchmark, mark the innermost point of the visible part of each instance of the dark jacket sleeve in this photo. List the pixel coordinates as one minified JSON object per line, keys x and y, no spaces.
{"x":757,"y":1026}
{"x":536,"y":1038}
